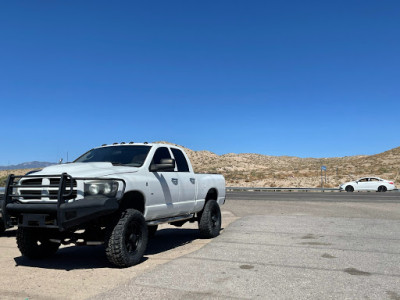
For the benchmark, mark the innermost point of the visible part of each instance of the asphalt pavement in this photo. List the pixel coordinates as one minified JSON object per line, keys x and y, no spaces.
{"x":373,"y":197}
{"x":287,"y":246}
{"x":273,"y":246}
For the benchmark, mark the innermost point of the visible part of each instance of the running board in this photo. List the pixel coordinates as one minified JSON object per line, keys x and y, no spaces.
{"x":169,"y":220}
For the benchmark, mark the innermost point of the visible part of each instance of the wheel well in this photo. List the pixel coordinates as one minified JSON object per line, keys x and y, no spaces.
{"x":133,"y":200}
{"x":212,"y":194}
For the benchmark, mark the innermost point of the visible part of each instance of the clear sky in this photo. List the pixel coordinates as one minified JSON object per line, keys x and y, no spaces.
{"x":302,"y":78}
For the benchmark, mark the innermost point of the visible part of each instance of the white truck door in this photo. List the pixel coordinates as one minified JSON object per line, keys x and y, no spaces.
{"x":187,"y":182}
{"x":163,"y":189}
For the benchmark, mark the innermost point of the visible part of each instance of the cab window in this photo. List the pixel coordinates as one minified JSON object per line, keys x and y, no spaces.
{"x":161,"y":153}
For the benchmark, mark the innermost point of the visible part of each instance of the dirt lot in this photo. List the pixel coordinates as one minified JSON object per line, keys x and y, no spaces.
{"x":81,"y":272}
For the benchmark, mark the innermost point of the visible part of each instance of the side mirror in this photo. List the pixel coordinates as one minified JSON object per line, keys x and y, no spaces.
{"x":166,"y":164}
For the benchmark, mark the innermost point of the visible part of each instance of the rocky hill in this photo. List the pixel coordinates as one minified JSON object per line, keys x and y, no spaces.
{"x":256,"y":170}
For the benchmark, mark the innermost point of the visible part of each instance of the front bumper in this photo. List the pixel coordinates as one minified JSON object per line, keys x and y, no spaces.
{"x":63,"y":214}
{"x":64,"y":217}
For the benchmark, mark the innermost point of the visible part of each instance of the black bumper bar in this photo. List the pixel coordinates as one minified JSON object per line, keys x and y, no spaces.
{"x":62,"y":214}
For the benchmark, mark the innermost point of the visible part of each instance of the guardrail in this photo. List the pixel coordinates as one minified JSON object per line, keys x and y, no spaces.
{"x":266,"y":189}
{"x":280,"y":189}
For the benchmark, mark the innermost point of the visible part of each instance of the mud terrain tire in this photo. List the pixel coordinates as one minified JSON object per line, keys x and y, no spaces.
{"x":126,"y":242}
{"x":210,"y":220}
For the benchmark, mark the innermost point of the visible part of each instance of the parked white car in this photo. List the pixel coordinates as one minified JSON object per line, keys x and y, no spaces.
{"x":368,"y":184}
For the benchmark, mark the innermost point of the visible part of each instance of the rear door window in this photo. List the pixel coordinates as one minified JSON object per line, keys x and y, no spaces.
{"x":180,"y":160}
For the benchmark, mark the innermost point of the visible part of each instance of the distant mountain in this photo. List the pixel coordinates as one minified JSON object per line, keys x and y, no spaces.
{"x":27,"y":165}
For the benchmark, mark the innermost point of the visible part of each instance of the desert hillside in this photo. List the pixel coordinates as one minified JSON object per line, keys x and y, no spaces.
{"x":255,"y":170}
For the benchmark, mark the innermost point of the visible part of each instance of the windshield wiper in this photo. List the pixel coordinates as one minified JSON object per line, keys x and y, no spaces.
{"x":117,"y":163}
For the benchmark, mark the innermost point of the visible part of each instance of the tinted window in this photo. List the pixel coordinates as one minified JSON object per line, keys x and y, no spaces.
{"x":160,"y":154}
{"x":127,"y":155}
{"x":180,"y":160}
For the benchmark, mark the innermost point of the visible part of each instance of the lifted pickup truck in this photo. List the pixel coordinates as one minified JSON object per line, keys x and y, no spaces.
{"x":114,"y":195}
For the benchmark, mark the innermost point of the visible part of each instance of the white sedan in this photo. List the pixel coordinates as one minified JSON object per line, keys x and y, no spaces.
{"x":368,"y":184}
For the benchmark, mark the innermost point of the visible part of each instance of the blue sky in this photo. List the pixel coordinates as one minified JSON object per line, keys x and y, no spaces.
{"x":301,"y":78}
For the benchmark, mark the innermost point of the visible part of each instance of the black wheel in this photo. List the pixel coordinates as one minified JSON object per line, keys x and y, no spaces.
{"x":210,"y":220}
{"x":382,"y":189}
{"x":127,"y":240}
{"x":34,"y":243}
{"x":152,"y":229}
{"x":349,"y":189}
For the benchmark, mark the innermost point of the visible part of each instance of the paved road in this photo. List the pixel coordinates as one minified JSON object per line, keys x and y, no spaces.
{"x":373,"y":197}
{"x":289,"y":246}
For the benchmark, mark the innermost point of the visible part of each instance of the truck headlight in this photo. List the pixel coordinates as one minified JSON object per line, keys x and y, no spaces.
{"x":107,"y":188}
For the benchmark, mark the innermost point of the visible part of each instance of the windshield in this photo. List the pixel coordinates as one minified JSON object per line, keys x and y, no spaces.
{"x":133,"y":156}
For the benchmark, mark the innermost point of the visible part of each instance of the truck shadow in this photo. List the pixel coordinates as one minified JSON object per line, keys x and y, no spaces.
{"x":170,"y":238}
{"x":93,"y":257}
{"x":10,"y":233}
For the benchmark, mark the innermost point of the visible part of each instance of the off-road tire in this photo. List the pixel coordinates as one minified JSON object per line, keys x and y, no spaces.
{"x":34,"y":243}
{"x":210,"y":220}
{"x":349,"y":189}
{"x":382,"y":189}
{"x":152,"y":229}
{"x":126,"y":242}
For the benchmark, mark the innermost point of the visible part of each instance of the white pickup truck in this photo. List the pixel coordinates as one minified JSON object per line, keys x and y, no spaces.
{"x":114,"y":195}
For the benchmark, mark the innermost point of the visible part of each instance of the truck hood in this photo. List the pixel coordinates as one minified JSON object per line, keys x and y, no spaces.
{"x":94,"y":169}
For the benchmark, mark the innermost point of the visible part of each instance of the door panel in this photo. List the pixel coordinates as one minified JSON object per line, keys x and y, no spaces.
{"x":362,"y":184}
{"x":163,"y":189}
{"x":164,"y":195}
{"x":187,"y":187}
{"x":187,"y":182}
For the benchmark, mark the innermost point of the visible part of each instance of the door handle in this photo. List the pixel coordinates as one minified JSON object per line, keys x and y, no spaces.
{"x":174,"y":180}
{"x":192,"y":180}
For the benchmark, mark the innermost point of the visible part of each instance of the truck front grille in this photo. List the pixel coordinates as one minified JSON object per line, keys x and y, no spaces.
{"x":39,"y":191}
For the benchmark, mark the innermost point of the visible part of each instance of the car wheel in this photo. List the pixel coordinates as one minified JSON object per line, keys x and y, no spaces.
{"x":382,"y":189}
{"x":126,"y":242}
{"x":210,"y":220}
{"x":349,"y":189}
{"x":34,"y":243}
